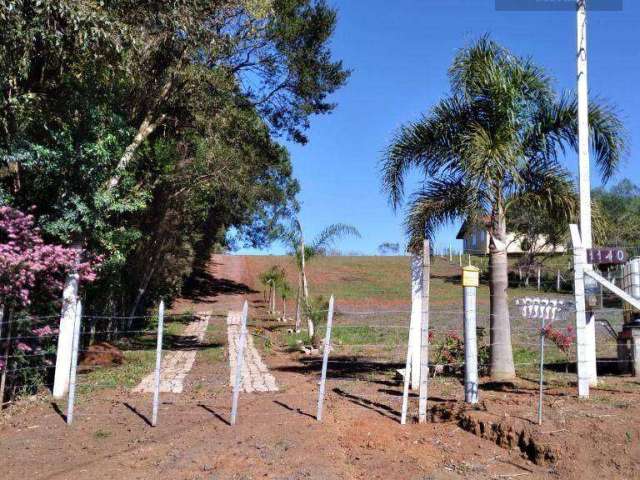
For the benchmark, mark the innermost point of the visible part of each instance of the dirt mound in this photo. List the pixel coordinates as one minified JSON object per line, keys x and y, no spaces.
{"x":509,"y":432}
{"x":101,"y":354}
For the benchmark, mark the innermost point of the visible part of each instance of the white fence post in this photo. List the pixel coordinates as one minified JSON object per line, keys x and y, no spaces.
{"x":156,"y":389}
{"x":582,"y":342}
{"x":424,"y":334}
{"x":74,"y":361}
{"x":325,"y":360}
{"x":416,"y":318}
{"x":65,"y":336}
{"x":405,"y":389}
{"x":539,"y":279}
{"x":239,"y":363}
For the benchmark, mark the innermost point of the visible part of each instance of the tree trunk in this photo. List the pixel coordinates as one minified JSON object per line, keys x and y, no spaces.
{"x":272,"y":299}
{"x":298,"y":300}
{"x":147,"y":127}
{"x":303,"y":272}
{"x":141,"y":291}
{"x":311,"y":329}
{"x":284,"y":309}
{"x":502,"y":367}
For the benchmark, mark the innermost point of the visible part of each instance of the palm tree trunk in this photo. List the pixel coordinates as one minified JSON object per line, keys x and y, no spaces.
{"x":311,"y":328}
{"x":502,"y":367}
{"x":272,"y":300}
{"x":284,"y":309}
{"x":303,"y":271}
{"x":298,"y":300}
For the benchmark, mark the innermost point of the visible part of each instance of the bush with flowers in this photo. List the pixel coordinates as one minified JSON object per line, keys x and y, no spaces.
{"x":32,"y":275}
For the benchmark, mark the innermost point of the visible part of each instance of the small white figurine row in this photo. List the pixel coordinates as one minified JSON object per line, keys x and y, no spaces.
{"x":544,"y":308}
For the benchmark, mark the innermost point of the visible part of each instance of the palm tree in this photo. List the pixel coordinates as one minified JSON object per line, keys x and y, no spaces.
{"x":294,"y":238}
{"x":271,"y":279}
{"x":492,"y":146}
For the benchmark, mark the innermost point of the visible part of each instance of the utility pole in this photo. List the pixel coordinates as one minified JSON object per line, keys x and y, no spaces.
{"x":583,"y":127}
{"x":583,"y":169}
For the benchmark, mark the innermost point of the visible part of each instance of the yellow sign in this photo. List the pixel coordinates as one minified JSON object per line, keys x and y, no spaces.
{"x":470,"y":276}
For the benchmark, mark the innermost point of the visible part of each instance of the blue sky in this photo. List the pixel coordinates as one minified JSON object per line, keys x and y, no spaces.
{"x":399,"y":52}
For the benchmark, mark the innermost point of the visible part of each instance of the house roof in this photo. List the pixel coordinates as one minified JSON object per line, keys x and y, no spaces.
{"x":465,"y":226}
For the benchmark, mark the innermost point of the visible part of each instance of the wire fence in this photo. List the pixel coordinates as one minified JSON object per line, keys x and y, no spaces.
{"x":117,"y":353}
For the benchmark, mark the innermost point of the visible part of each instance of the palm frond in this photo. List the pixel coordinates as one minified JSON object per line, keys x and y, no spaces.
{"x":327,"y":237}
{"x":556,"y":127}
{"x":546,"y":189}
{"x":441,"y":202}
{"x":431,"y":144}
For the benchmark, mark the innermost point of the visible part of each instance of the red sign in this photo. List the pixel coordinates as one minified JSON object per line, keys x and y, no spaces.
{"x":603,"y":256}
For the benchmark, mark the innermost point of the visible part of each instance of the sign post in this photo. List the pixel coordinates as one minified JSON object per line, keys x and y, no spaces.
{"x":470,"y":283}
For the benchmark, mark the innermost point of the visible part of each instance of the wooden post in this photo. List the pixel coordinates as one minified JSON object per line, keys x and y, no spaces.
{"x":74,"y":362}
{"x":158,"y":372}
{"x":325,"y":360}
{"x":239,"y":362}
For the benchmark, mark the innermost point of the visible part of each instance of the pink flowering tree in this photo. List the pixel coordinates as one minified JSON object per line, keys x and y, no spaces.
{"x":28,"y":265}
{"x":32,"y":275}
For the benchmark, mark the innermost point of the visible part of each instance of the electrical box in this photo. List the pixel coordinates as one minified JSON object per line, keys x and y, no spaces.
{"x":631,"y":285}
{"x":470,"y":276}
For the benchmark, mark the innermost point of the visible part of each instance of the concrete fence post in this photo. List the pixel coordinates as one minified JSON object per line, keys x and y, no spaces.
{"x":65,"y":336}
{"x":158,"y":372}
{"x":74,"y":361}
{"x":416,"y":319}
{"x":239,"y":363}
{"x":470,"y":283}
{"x":582,"y":341}
{"x":424,"y":334}
{"x":325,"y":360}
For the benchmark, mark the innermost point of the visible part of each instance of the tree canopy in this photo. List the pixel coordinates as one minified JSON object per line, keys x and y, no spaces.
{"x":147,"y":132}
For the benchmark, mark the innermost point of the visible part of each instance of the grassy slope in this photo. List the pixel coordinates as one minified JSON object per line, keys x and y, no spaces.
{"x":376,"y":281}
{"x":382,"y":283}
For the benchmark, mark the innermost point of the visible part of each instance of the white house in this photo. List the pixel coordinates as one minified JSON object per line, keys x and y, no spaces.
{"x":475,"y":240}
